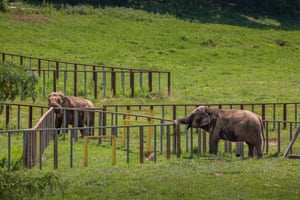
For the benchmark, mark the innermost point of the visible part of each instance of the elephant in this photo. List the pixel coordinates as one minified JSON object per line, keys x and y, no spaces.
{"x":232,"y":125}
{"x":58,"y":100}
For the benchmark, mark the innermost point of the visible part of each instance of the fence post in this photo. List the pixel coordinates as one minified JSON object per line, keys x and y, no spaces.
{"x":175,"y":138}
{"x":141,"y":145}
{"x":263,"y":112}
{"x":278,"y":139}
{"x":75,"y":79}
{"x":198,"y":130}
{"x":295,"y":114}
{"x":284,"y":116}
{"x":150,"y":81}
{"x":9,"y":152}
{"x":7,"y":116}
{"x":104,"y":83}
{"x":55,"y":151}
{"x":127,"y":143}
{"x":132,"y":83}
{"x":174,"y":112}
{"x":3,"y":57}
{"x":21,"y":60}
{"x":57,"y":69}
{"x":168,"y":142}
{"x":95,"y":78}
{"x":85,"y":150}
{"x":123,"y":83}
{"x":267,"y":136}
{"x":54,"y":80}
{"x":30,"y":117}
{"x":104,"y":119}
{"x":94,"y":70}
{"x":192,"y":141}
{"x":113,"y":82}
{"x":169,"y":83}
{"x":113,"y":146}
{"x":177,"y":135}
{"x":204,"y":142}
{"x":39,"y":67}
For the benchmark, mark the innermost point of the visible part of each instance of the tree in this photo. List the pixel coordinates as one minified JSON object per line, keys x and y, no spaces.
{"x":3,"y":5}
{"x":16,"y":81}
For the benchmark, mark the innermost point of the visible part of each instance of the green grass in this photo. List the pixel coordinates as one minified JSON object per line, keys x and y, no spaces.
{"x":185,"y":179}
{"x":210,"y":63}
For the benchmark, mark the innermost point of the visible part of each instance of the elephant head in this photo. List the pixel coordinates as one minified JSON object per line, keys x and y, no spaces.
{"x":56,"y":100}
{"x":200,"y":117}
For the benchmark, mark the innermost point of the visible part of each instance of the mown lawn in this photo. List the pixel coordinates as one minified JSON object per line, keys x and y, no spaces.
{"x":210,"y":63}
{"x":272,"y":178}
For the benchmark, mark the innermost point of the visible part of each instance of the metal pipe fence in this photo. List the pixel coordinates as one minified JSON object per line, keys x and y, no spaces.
{"x":22,"y":116}
{"x":165,"y":145}
{"x":85,"y":79}
{"x":148,"y":132}
{"x":36,"y":140}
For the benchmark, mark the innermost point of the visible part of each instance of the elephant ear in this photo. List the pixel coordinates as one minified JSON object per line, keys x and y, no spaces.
{"x":66,"y":101}
{"x":207,"y":117}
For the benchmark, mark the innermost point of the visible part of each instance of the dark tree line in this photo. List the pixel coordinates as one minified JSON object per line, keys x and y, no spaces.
{"x":268,"y":7}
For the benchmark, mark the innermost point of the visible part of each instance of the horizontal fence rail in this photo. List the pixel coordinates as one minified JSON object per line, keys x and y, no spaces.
{"x":83,"y":79}
{"x":22,"y":116}
{"x":268,"y":111}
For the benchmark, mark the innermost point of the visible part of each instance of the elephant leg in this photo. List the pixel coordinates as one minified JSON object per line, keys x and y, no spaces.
{"x":58,"y":121}
{"x":92,"y":123}
{"x":89,"y":122}
{"x":213,"y":145}
{"x":81,"y":128}
{"x":251,"y":150}
{"x":259,"y":152}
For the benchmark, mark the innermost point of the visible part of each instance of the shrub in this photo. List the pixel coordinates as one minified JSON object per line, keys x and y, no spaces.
{"x":3,"y":5}
{"x":19,"y":186}
{"x":16,"y":81}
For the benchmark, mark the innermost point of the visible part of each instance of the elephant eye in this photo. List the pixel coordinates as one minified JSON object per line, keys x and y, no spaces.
{"x":59,"y":101}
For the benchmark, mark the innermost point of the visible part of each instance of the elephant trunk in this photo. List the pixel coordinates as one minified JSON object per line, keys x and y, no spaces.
{"x":185,"y":120}
{"x":56,"y":106}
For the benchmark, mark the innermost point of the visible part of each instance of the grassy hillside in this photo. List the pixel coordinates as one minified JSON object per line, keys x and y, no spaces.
{"x":210,"y":63}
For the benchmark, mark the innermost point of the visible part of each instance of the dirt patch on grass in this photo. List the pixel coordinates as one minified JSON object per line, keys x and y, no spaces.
{"x":272,"y":142}
{"x":31,"y":18}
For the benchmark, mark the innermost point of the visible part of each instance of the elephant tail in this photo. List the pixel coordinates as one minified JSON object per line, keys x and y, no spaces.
{"x":263,"y":135}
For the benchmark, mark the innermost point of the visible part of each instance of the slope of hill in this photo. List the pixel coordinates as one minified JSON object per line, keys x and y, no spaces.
{"x":210,"y":62}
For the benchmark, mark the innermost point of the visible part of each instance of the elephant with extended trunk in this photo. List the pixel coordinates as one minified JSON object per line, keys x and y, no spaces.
{"x":232,"y":125}
{"x":58,"y":100}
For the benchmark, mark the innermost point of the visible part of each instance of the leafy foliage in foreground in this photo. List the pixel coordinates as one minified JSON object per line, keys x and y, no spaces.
{"x":19,"y":186}
{"x":15,"y":81}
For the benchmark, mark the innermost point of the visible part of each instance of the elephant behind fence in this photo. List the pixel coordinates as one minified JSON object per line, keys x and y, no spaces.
{"x":81,"y":106}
